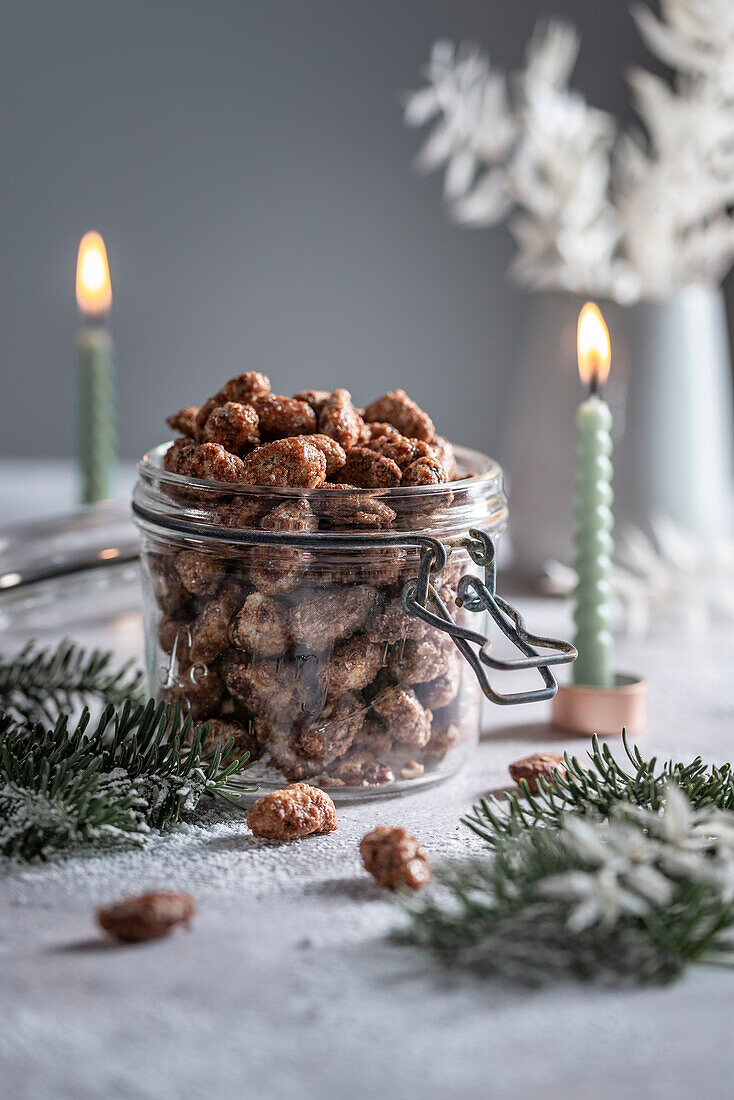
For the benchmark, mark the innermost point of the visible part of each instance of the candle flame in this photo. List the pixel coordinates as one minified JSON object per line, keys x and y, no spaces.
{"x":93,"y":287}
{"x":594,"y":348}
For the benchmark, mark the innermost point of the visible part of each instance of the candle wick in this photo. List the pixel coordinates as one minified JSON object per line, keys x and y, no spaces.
{"x":594,"y":387}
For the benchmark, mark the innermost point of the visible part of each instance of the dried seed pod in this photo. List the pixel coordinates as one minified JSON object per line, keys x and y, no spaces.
{"x":285,"y":463}
{"x":331,"y":733}
{"x":368,"y":470}
{"x":400,"y":711}
{"x":340,"y":420}
{"x":200,"y":574}
{"x":209,"y":633}
{"x":261,"y":626}
{"x":325,"y":617}
{"x":281,"y":417}
{"x":233,"y":425}
{"x":315,"y":398}
{"x":401,"y":411}
{"x":395,"y":858}
{"x":297,"y":811}
{"x":147,"y":917}
{"x":539,"y":765}
{"x":353,"y":665}
{"x":360,"y":768}
{"x":184,"y":421}
{"x":425,"y":471}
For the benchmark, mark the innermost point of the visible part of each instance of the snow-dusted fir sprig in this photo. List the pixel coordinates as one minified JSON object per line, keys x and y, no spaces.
{"x":631,"y":216}
{"x":139,"y":769}
{"x":631,"y":897}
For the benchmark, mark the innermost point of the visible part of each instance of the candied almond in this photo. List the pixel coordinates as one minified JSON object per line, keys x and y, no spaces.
{"x":210,"y":462}
{"x":340,"y":420}
{"x":209,"y":633}
{"x":332,"y":451}
{"x":400,"y":710}
{"x":233,"y":425}
{"x":184,"y":421}
{"x":285,"y":463}
{"x":397,"y":447}
{"x":332,"y":731}
{"x":297,"y":811}
{"x":401,"y":411}
{"x":261,"y":626}
{"x":368,"y":470}
{"x":245,"y":741}
{"x":291,"y":515}
{"x":395,"y":858}
{"x":281,"y":417}
{"x":315,"y":398}
{"x":360,"y":768}
{"x":324,"y":617}
{"x":539,"y":765}
{"x":200,"y":574}
{"x":147,"y":917}
{"x":425,"y":471}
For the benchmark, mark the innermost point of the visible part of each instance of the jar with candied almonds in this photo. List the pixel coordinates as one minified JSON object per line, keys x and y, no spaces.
{"x":337,"y":632}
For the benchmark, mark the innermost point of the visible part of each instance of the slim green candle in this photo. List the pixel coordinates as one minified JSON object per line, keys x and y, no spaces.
{"x":593,"y":512}
{"x":95,"y":351}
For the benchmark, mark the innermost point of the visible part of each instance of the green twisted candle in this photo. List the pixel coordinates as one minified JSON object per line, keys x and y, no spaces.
{"x":593,"y":544}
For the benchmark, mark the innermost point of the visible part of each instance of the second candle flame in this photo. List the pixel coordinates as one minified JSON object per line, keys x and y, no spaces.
{"x":594,"y":347}
{"x":93,"y":288}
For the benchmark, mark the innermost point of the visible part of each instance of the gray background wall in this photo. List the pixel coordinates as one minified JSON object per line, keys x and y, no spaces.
{"x":248,"y":167}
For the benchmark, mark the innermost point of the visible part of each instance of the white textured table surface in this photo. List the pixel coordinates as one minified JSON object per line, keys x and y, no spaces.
{"x":285,"y":986}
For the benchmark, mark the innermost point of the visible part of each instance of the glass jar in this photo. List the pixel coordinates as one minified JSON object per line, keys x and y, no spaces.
{"x":310,"y":625}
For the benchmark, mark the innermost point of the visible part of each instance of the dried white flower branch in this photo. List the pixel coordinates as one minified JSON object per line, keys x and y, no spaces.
{"x":629,"y":216}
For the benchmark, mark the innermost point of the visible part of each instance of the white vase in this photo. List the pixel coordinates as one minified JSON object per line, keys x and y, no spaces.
{"x":671,"y":394}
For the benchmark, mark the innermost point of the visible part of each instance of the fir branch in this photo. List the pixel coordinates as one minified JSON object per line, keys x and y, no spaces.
{"x":140,"y":768}
{"x":609,"y":901}
{"x":38,"y":685}
{"x":597,"y":789}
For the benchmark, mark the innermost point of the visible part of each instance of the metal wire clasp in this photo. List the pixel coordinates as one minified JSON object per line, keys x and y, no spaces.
{"x":420,"y":595}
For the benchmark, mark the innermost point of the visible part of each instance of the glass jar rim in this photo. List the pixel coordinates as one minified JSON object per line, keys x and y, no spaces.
{"x":475,"y":500}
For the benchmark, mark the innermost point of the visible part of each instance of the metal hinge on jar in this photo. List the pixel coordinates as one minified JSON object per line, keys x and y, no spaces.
{"x":421,"y":598}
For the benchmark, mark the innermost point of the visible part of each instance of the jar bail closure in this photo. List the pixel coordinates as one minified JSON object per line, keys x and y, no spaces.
{"x":420,"y":595}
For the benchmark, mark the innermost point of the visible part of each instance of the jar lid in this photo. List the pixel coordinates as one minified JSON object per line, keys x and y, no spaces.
{"x":211,"y":509}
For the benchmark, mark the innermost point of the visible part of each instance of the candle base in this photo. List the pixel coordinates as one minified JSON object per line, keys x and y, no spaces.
{"x":580,"y":708}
